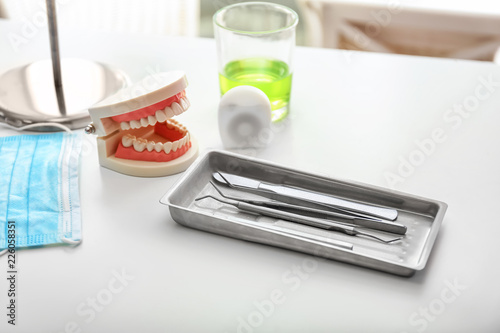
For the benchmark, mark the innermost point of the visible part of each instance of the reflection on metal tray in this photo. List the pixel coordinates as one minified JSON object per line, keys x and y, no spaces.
{"x":421,"y":216}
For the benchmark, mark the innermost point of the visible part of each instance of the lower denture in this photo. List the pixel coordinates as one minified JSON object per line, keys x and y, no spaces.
{"x":169,"y":134}
{"x":150,"y":156}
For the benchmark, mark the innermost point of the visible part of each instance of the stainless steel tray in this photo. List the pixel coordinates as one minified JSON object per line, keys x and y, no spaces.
{"x":421,"y":216}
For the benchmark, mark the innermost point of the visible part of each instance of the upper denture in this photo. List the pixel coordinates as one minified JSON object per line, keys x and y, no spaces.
{"x":158,"y":116}
{"x":151,"y":109}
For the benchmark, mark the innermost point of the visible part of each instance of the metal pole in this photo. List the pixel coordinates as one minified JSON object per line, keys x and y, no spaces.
{"x":54,"y":50}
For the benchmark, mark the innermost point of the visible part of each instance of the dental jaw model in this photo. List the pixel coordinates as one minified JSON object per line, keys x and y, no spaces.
{"x":137,"y":134}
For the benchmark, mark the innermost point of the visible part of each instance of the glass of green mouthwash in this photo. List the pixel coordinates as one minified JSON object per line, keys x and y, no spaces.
{"x":255,"y":43}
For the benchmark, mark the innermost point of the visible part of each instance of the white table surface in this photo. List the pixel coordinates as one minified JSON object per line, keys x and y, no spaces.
{"x":353,"y":116}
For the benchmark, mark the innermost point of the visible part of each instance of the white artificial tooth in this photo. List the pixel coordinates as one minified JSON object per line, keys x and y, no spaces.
{"x":177,"y":108}
{"x":159,"y":146}
{"x":169,"y":112}
{"x":144,"y":122}
{"x":169,"y":125}
{"x":183,"y":103}
{"x":167,"y":147}
{"x":175,"y":145}
{"x":160,"y":116}
{"x":183,"y":142}
{"x":150,"y":145}
{"x":188,"y":137}
{"x":187,"y":101}
{"x":152,"y":120}
{"x":127,"y":140}
{"x":125,"y":125}
{"x":139,"y":145}
{"x":135,"y":124}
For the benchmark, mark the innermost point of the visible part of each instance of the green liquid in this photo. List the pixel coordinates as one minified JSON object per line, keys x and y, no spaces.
{"x":271,"y":76}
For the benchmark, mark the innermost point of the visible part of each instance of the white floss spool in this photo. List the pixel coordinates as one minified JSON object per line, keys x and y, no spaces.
{"x":244,"y":118}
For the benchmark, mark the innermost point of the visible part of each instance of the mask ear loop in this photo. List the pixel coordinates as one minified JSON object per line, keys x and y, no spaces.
{"x":25,"y":127}
{"x":67,"y":241}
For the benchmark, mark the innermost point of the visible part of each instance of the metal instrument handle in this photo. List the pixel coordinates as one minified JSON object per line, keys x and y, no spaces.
{"x":386,"y":213}
{"x":296,"y":218}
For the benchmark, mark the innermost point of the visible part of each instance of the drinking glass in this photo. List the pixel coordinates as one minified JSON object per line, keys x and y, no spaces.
{"x":255,"y":43}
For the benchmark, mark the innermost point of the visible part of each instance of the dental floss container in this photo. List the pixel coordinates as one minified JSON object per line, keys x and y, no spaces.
{"x":244,"y":118}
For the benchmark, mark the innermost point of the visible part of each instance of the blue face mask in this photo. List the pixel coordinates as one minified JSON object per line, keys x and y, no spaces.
{"x":39,"y":189}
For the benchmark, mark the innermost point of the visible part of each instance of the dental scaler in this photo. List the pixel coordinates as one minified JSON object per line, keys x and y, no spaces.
{"x":136,"y":129}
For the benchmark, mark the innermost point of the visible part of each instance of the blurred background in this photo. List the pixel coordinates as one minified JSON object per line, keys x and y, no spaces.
{"x":461,"y":29}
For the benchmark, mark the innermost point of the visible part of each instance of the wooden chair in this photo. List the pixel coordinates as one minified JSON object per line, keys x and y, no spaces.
{"x":396,"y":27}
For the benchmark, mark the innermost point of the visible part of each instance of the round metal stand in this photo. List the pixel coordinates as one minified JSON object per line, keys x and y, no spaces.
{"x":55,"y":91}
